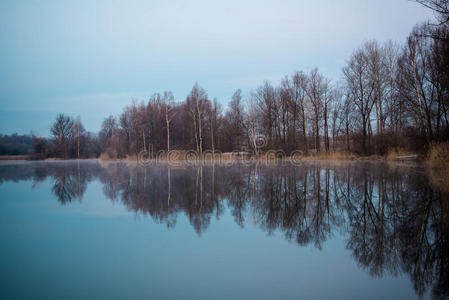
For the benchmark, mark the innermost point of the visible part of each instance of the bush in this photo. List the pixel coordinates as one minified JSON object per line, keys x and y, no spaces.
{"x":438,"y":156}
{"x":395,"y":153}
{"x":438,"y":163}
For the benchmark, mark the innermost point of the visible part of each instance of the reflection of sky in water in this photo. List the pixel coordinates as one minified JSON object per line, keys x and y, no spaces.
{"x":98,"y":248}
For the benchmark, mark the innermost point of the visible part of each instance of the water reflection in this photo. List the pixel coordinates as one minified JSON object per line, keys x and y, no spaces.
{"x":393,"y":220}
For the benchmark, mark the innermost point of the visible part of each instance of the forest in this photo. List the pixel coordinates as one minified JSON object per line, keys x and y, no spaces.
{"x":389,"y":96}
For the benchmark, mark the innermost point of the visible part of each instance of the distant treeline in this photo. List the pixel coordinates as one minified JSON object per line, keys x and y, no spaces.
{"x":69,"y":140}
{"x":15,"y":144}
{"x":390,"y":96}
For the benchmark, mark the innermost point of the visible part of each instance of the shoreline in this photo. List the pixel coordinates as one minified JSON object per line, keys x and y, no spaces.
{"x":312,"y":158}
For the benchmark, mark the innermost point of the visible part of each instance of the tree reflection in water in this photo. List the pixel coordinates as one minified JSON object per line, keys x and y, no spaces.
{"x":393,"y":220}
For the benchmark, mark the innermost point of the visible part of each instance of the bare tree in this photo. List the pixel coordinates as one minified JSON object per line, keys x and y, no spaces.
{"x":168,"y":100}
{"x":196,"y":102}
{"x":316,"y":91}
{"x":214,"y":111}
{"x":327,"y":98}
{"x":414,"y":86}
{"x":346,"y":119}
{"x":78,"y":137}
{"x":360,"y":90}
{"x":234,"y":120}
{"x":299,"y":85}
{"x":390,"y":62}
{"x":440,"y":7}
{"x":285,"y":98}
{"x":252,"y":122}
{"x":62,"y":133}
{"x":265,"y":97}
{"x":336,"y":115}
{"x":108,"y":137}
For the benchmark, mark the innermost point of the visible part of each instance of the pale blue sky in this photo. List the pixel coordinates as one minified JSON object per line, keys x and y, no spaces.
{"x":89,"y":58}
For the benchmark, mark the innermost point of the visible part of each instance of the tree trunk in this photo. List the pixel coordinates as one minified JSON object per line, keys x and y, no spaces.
{"x":168,"y":128}
{"x":200,"y":134}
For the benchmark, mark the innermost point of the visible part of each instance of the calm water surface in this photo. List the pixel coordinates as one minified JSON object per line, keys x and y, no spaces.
{"x":91,"y":230}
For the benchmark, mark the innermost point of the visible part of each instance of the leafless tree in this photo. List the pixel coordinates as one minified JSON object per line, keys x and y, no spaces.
{"x":299,"y":86}
{"x":390,"y":64}
{"x":440,"y":7}
{"x":414,"y":86}
{"x":168,"y":100}
{"x":317,"y":92}
{"x":196,"y":102}
{"x":62,"y":133}
{"x":234,"y":122}
{"x":360,"y":89}
{"x":252,"y":122}
{"x":213,"y":115}
{"x":265,"y":97}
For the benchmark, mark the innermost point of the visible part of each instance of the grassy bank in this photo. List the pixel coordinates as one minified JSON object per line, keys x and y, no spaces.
{"x":401,"y":154}
{"x":15,"y":157}
{"x":180,"y":155}
{"x":332,"y":155}
{"x":437,"y":162}
{"x":438,"y":156}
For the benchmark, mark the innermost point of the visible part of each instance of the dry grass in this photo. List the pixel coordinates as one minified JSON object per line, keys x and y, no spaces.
{"x":182,"y":155}
{"x":175,"y":155}
{"x":131,"y":157}
{"x":398,"y":154}
{"x":438,"y":156}
{"x":438,"y":164}
{"x":104,"y":156}
{"x":15,"y":157}
{"x":439,"y":180}
{"x":333,"y":155}
{"x":107,"y":157}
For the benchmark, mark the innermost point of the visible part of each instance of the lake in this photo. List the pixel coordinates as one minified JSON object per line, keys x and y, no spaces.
{"x":343,"y":230}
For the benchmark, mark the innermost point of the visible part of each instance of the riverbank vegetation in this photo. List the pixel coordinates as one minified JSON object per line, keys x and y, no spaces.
{"x":15,"y":144}
{"x":392,"y":99}
{"x":438,"y":166}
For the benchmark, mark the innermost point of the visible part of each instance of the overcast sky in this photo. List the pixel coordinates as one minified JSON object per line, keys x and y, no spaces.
{"x":89,"y":58}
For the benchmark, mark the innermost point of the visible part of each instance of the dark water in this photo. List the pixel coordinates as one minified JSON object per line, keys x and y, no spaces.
{"x":85,"y":230}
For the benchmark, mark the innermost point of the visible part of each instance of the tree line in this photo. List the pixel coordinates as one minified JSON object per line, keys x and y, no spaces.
{"x":389,"y":96}
{"x":16,"y":144}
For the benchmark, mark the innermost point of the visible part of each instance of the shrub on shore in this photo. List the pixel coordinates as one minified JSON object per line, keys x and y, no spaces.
{"x":332,"y":155}
{"x":438,"y":156}
{"x":438,"y":163}
{"x":397,"y":153}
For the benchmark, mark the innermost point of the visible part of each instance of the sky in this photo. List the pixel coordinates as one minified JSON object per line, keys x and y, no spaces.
{"x":91,"y":58}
